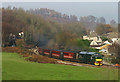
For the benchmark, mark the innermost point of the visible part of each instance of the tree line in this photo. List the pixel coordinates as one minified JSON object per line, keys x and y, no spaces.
{"x":37,"y":28}
{"x":50,"y":34}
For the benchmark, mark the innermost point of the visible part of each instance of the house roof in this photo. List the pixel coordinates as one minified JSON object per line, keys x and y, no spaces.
{"x":93,"y":34}
{"x":104,"y":46}
{"x":106,"y":42}
{"x":112,"y":35}
{"x":89,"y":53}
{"x":95,"y":45}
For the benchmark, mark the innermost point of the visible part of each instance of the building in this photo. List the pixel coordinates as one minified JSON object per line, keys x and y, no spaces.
{"x":104,"y":47}
{"x":114,"y":37}
{"x":95,"y":44}
{"x":92,"y":37}
{"x":96,"y":41}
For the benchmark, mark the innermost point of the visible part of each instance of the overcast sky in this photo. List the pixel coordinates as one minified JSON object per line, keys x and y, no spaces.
{"x":108,"y":10}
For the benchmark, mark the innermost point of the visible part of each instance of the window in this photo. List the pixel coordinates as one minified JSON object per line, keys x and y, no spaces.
{"x":46,"y":50}
{"x":65,"y":53}
{"x":56,"y":52}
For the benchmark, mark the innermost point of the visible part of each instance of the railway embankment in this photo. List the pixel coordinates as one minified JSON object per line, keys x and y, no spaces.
{"x":33,"y":56}
{"x":105,"y":64}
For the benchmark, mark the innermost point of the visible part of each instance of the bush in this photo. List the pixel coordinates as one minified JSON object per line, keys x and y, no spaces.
{"x":11,"y":49}
{"x":20,"y":43}
{"x":26,"y":53}
{"x":20,"y":51}
{"x":41,"y":59}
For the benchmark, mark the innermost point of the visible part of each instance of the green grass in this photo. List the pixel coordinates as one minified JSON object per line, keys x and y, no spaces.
{"x":16,"y":68}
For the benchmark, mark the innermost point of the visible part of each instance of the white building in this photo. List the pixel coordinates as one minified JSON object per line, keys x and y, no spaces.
{"x":96,"y":41}
{"x":93,"y":37}
{"x":104,"y":47}
{"x":114,"y":37}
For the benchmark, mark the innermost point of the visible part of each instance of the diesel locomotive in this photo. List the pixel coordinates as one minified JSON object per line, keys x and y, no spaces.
{"x":77,"y":56}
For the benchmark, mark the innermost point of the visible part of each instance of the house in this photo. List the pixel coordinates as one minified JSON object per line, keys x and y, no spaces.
{"x":114,"y":37}
{"x":92,"y":37}
{"x":95,"y":44}
{"x":96,"y":41}
{"x":104,"y":47}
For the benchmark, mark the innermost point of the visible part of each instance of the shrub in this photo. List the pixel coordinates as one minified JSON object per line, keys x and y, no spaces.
{"x":41,"y":59}
{"x":26,"y":53}
{"x":20,"y":43}
{"x":11,"y":49}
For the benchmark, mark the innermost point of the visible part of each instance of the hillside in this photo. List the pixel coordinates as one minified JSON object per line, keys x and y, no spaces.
{"x":16,"y":68}
{"x":37,"y":28}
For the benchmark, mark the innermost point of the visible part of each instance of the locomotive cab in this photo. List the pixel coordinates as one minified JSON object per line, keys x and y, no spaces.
{"x":90,"y":57}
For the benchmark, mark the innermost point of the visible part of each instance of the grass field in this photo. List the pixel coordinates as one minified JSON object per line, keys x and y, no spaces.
{"x":16,"y":68}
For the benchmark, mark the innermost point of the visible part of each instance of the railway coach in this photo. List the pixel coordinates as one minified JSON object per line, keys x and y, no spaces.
{"x":81,"y":57}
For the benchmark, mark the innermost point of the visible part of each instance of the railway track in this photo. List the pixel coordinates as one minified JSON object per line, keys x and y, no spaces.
{"x":86,"y":65}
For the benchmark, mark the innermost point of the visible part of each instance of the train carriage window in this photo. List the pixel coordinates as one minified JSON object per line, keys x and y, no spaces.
{"x":65,"y":53}
{"x":56,"y":52}
{"x":46,"y":50}
{"x":71,"y":54}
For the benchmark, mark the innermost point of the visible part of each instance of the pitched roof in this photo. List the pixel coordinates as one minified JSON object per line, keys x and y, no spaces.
{"x":93,"y":34}
{"x":106,"y":42}
{"x":93,"y":43}
{"x":104,"y":46}
{"x":112,"y":35}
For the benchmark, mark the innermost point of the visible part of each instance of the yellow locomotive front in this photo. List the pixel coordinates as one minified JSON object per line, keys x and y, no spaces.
{"x":98,"y":60}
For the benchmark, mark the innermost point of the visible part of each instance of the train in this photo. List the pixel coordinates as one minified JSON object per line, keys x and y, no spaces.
{"x":93,"y":58}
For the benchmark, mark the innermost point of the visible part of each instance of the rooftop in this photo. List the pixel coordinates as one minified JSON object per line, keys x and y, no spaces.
{"x":113,"y":35}
{"x":93,"y":34}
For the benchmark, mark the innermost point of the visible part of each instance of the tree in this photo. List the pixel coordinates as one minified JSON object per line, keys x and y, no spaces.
{"x":103,"y":29}
{"x":102,"y":20}
{"x":36,"y":28}
{"x":114,"y":49}
{"x":89,"y":21}
{"x":113,"y":23}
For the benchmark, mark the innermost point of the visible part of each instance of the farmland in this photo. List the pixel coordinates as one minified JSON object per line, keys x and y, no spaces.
{"x":16,"y":68}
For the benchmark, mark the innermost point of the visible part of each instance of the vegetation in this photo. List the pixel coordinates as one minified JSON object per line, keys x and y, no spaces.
{"x":104,"y":38}
{"x":84,"y":45}
{"x":50,"y":34}
{"x":36,"y":28}
{"x":41,"y":59}
{"x":114,"y":49}
{"x":62,"y":34}
{"x":29,"y":55}
{"x":15,"y":67}
{"x":104,"y":28}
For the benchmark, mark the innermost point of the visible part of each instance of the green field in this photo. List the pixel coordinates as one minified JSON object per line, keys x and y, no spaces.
{"x":16,"y":68}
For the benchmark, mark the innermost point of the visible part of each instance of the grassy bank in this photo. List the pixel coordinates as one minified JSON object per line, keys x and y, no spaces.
{"x":16,"y":68}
